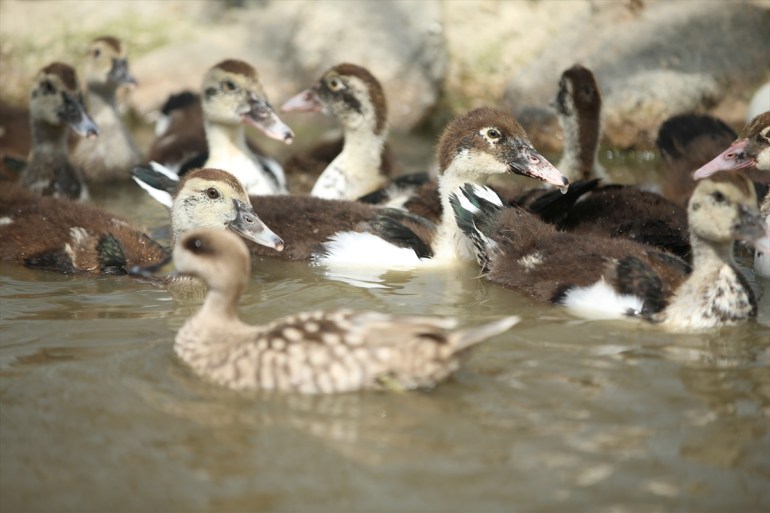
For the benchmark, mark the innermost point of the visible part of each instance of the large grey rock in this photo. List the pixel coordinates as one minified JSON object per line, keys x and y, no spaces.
{"x":671,"y":57}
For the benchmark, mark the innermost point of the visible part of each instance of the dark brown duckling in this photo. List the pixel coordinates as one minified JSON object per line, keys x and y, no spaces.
{"x":611,"y":277}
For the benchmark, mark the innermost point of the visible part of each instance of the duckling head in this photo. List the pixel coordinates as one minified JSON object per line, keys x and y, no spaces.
{"x":349,"y":93}
{"x":215,"y":199}
{"x":486,"y":142}
{"x":55,"y":99}
{"x":106,"y":64}
{"x":750,"y":149}
{"x":219,"y":258}
{"x":233,"y":94}
{"x":578,"y":92}
{"x":724,"y":208}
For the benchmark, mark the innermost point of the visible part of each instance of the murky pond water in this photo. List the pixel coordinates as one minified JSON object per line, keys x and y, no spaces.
{"x":558,"y":414}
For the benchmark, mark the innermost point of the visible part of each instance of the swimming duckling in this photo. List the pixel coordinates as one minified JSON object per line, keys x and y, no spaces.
{"x":232,"y":96}
{"x":313,"y":352}
{"x":55,"y":103}
{"x":353,"y":96}
{"x":610,"y":277}
{"x":111,"y":156}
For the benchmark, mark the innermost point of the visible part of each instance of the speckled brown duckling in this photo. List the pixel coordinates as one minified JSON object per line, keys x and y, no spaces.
{"x":314,"y":352}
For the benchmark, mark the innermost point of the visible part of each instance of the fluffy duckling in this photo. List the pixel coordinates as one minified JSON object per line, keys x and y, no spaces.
{"x":353,"y":96}
{"x":69,"y":237}
{"x":476,"y":145}
{"x":55,"y":103}
{"x":232,"y":97}
{"x":111,"y":156}
{"x":751,"y":150}
{"x":607,"y":278}
{"x":313,"y":352}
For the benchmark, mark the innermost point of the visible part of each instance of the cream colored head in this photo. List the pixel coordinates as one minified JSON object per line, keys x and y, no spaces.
{"x":106,"y":63}
{"x":215,"y":199}
{"x":723,"y":208}
{"x":219,"y":258}
{"x":232,"y":94}
{"x":55,"y":99}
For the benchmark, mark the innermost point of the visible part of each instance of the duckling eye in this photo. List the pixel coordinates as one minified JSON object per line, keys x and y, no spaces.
{"x":493,"y":134}
{"x":194,"y":245}
{"x":765,"y":133}
{"x":47,"y":87}
{"x":97,"y":52}
{"x":335,"y":84}
{"x":719,"y":197}
{"x":229,"y":85}
{"x":212,"y":193}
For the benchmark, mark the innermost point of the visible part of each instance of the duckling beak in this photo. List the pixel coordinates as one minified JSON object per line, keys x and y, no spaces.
{"x":733,"y":158}
{"x":119,"y":73}
{"x":752,"y":229}
{"x":306,"y":101}
{"x":74,"y":114}
{"x":527,"y":161}
{"x":249,"y":226}
{"x":261,"y":115}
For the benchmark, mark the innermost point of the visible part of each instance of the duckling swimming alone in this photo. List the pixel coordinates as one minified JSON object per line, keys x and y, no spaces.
{"x":312,"y":352}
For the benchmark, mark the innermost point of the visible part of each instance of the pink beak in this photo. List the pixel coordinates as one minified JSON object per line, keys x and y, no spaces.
{"x":732,"y":159}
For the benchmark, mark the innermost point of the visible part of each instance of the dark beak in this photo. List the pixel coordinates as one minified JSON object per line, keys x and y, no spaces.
{"x":752,"y":229}
{"x":261,"y":115}
{"x":74,"y":114}
{"x":249,"y":226}
{"x":527,"y":161}
{"x":119,"y":73}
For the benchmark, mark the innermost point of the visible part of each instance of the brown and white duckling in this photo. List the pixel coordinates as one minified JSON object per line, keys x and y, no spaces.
{"x":64,"y":236}
{"x":313,"y":352}
{"x":476,"y":145}
{"x":112,"y":155}
{"x":608,"y":277}
{"x":353,"y":96}
{"x":751,"y":150}
{"x":56,"y":103}
{"x":232,"y":97}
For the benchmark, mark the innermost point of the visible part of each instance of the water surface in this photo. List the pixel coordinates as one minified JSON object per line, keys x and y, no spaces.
{"x":558,"y":414}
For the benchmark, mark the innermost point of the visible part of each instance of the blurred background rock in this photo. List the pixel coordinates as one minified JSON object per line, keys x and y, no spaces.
{"x":653,"y":58}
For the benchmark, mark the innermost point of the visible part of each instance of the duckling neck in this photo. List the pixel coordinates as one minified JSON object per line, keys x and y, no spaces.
{"x":716,"y":293}
{"x":450,"y":243}
{"x":581,"y":145}
{"x":220,"y":306}
{"x":48,"y":170}
{"x":356,"y":171}
{"x":224,"y":140}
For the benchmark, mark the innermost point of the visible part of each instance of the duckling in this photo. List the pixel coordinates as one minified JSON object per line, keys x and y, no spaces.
{"x":608,"y":277}
{"x":180,"y":140}
{"x":232,"y":96}
{"x":111,"y":156}
{"x":353,"y":96}
{"x":609,"y":210}
{"x":67,"y":237}
{"x":751,"y":150}
{"x":313,"y":352}
{"x":56,"y":102}
{"x":474,"y":146}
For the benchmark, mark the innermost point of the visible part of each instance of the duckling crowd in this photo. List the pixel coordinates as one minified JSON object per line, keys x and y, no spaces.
{"x":571,"y":238}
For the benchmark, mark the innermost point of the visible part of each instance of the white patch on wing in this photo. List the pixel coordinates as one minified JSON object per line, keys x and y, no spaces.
{"x":160,"y":168}
{"x":6,"y":220}
{"x":78,"y":235}
{"x":531,"y":260}
{"x":600,"y":301}
{"x":162,"y":197}
{"x":366,"y":250}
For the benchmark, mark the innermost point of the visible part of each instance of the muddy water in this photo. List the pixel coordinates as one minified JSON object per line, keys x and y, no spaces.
{"x":558,"y":414}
